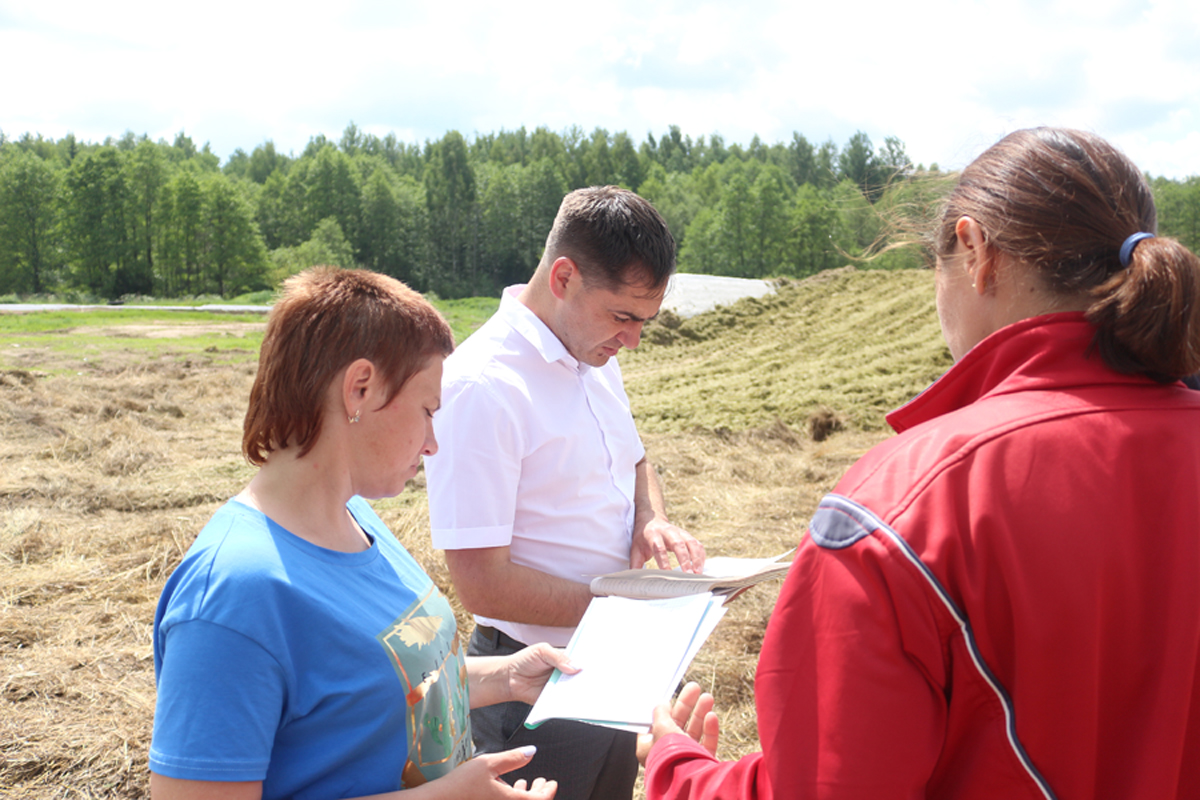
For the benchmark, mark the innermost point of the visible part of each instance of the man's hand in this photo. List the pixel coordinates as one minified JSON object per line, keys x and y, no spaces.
{"x":654,"y":537}
{"x":692,"y":714}
{"x":658,"y":539}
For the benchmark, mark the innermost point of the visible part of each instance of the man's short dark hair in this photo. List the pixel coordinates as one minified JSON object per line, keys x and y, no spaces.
{"x":615,"y":237}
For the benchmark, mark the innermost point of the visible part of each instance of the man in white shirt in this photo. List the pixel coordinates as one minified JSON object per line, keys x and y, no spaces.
{"x":541,"y":481}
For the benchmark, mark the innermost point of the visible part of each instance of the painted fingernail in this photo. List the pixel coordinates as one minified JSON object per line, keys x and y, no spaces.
{"x":528,"y":750}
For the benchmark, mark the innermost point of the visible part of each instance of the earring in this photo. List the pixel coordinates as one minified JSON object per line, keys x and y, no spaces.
{"x":355,"y":418}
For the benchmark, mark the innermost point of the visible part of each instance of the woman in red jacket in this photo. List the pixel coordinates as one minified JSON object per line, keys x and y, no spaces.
{"x":1003,"y":600}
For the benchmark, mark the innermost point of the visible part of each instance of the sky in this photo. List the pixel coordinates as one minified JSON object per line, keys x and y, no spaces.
{"x":946,"y":77}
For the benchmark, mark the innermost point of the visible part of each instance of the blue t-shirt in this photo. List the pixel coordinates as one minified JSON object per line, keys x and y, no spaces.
{"x":322,"y":674}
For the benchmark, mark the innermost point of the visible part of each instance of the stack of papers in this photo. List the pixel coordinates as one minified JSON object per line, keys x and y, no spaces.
{"x":632,"y":654}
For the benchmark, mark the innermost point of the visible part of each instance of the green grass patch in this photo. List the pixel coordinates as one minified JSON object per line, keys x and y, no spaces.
{"x":467,"y":314}
{"x":57,"y":321}
{"x":263,"y":297}
{"x":62,"y":340}
{"x":464,"y":315}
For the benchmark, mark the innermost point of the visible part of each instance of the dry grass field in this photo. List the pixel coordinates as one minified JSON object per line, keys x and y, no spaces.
{"x":118,"y":442}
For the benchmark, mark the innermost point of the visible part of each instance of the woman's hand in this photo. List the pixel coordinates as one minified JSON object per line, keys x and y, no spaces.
{"x":692,"y":714}
{"x":520,"y":676}
{"x":480,"y":778}
{"x":529,"y":669}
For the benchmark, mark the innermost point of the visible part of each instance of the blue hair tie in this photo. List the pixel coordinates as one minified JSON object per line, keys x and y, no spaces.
{"x":1130,"y":243}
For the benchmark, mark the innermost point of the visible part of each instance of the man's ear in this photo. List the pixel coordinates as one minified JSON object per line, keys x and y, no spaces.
{"x":563,"y":272}
{"x":980,"y":261}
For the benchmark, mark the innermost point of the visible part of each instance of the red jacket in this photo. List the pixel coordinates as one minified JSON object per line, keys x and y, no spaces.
{"x":1001,"y":602}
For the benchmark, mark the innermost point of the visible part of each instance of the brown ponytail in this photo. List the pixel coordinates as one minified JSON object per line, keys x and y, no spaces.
{"x":1148,"y":314}
{"x":1064,"y":202}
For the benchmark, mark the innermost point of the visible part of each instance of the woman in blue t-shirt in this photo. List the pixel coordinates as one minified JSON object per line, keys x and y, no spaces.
{"x":299,"y":650}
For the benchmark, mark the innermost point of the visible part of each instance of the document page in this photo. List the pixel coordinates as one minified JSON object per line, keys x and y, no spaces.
{"x":631,"y":655}
{"x":722,"y":575}
{"x":727,"y":567}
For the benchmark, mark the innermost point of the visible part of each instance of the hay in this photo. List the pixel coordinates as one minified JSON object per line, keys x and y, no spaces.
{"x":858,"y":343}
{"x":106,"y":477}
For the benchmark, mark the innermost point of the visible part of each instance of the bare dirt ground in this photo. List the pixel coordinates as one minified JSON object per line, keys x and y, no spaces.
{"x":109,"y":469}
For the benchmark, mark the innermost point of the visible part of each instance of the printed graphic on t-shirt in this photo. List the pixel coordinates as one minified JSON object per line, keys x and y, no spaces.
{"x":424,"y":649}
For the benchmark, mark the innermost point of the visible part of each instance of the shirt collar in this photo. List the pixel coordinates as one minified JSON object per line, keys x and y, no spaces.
{"x":522,"y":320}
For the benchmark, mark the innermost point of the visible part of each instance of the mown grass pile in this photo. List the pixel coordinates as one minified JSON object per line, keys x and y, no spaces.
{"x":118,"y":442}
{"x":857,"y":342}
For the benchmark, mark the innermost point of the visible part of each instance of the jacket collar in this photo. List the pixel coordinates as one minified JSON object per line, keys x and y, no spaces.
{"x":1052,"y":350}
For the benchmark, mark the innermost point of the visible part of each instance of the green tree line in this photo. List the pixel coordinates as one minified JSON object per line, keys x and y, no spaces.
{"x":456,"y":216}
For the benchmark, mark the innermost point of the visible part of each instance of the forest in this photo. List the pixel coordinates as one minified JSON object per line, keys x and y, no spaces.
{"x":130,"y":217}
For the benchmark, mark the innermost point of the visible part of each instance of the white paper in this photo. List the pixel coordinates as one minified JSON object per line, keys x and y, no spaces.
{"x":730,"y":567}
{"x":631,"y":654}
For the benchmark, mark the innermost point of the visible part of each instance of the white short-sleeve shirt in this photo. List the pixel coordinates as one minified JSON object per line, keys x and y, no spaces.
{"x":537,"y":452}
